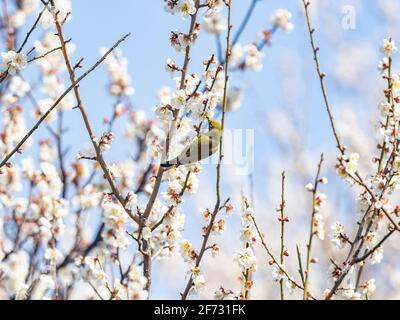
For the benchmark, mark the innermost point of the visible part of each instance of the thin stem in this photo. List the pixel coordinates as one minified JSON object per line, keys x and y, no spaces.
{"x":389,"y":100}
{"x":301,"y":272}
{"x":24,"y":42}
{"x":247,"y":283}
{"x":92,"y":136}
{"x":46,"y":53}
{"x":356,"y":177}
{"x":312,"y":232}
{"x":321,"y":76}
{"x":245,"y":21}
{"x":370,"y":252}
{"x":282,"y":211}
{"x":61,"y":153}
{"x":274,"y":260}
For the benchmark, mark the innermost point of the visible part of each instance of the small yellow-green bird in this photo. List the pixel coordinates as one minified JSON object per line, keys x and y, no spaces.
{"x":200,"y":148}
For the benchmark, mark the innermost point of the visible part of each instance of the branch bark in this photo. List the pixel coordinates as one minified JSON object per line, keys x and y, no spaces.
{"x":92,"y":136}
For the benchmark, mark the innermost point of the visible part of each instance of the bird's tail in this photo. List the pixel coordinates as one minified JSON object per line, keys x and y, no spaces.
{"x":166,"y":165}
{"x":170,"y":164}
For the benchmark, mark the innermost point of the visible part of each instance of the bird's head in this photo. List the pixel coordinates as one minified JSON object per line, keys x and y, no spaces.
{"x":213,"y":124}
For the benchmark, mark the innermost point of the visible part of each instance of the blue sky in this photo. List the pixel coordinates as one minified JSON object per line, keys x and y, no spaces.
{"x":148,"y":48}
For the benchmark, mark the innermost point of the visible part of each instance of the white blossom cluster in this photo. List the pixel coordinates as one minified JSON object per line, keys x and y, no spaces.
{"x":246,"y":258}
{"x":374,"y":201}
{"x":117,"y":68}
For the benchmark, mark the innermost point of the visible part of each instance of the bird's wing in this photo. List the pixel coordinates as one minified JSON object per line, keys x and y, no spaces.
{"x":200,"y":148}
{"x":187,"y":155}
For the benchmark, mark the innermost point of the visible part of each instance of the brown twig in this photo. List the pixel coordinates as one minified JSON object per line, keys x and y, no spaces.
{"x":301,"y":272}
{"x":247,"y":274}
{"x":282,"y":212}
{"x":61,"y":154}
{"x":389,"y":100}
{"x":99,"y":155}
{"x":321,"y":75}
{"x":24,"y":42}
{"x":47,"y":53}
{"x":312,"y":232}
{"x":274,"y":260}
{"x":370,"y":252}
{"x":356,"y":177}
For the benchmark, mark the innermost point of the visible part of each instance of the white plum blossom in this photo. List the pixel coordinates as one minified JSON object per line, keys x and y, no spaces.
{"x":17,"y":19}
{"x":14,"y":270}
{"x":254,"y":57}
{"x":278,"y":272}
{"x":131,"y":201}
{"x":93,"y":271}
{"x":115,"y":219}
{"x":371,"y":239}
{"x":368,"y":288}
{"x":117,"y":68}
{"x":170,"y":6}
{"x":181,"y":41}
{"x":281,"y":18}
{"x":383,"y":64}
{"x":351,"y":294}
{"x":377,"y":255}
{"x":186,"y":8}
{"x":320,"y":200}
{"x":19,"y":87}
{"x":146,"y":233}
{"x":246,"y":259}
{"x":199,"y":283}
{"x":179,"y":98}
{"x":43,"y":106}
{"x":395,"y":82}
{"x":29,"y":6}
{"x":388,"y":47}
{"x":13,"y":62}
{"x":214,"y":23}
{"x":63,"y":9}
{"x":385,"y":108}
{"x":186,"y":251}
{"x":338,"y":238}
{"x":351,"y":163}
{"x":106,"y":140}
{"x":53,"y":255}
{"x":164,"y":112}
{"x":309,"y":187}
{"x":164,"y":95}
{"x":136,"y":284}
